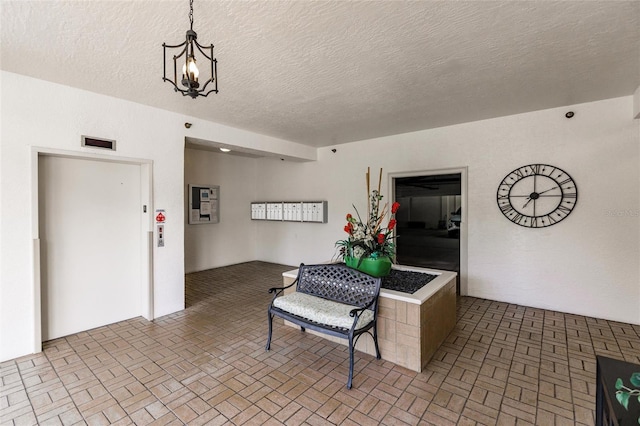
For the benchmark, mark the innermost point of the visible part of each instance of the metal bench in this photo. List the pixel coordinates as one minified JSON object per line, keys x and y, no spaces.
{"x":332,"y":299}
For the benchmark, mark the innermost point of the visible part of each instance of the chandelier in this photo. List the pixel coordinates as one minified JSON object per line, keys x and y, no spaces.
{"x":187,"y":57}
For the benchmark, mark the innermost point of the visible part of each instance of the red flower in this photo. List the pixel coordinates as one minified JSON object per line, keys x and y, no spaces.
{"x":380,"y":238}
{"x":392,"y":224}
{"x":394,"y":208}
{"x":349,"y":216}
{"x":348,"y":228}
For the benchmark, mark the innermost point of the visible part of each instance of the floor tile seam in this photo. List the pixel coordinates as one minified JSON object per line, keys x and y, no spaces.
{"x":476,"y":377}
{"x":19,"y":371}
{"x":608,"y":335}
{"x":5,"y":365}
{"x":463,"y":309}
{"x":82,"y":361}
{"x":24,"y":388}
{"x":540,"y":372}
{"x":572,"y":377}
{"x":476,"y":301}
{"x":511,"y":361}
{"x":110,"y":393}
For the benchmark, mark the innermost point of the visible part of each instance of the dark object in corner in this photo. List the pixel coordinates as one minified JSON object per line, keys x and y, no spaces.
{"x":608,"y":410}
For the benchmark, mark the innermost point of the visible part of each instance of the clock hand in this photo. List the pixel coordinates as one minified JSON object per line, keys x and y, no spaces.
{"x":535,"y":196}
{"x":547,"y":190}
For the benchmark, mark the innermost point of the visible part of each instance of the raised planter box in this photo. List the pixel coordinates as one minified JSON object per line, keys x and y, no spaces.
{"x":411,"y":327}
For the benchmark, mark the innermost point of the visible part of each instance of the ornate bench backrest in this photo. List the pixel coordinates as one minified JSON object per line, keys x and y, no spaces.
{"x":339,"y":283}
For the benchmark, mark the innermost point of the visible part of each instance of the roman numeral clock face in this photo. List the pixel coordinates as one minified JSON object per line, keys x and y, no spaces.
{"x":537,"y":195}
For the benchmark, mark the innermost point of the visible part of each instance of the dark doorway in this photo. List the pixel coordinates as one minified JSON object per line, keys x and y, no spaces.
{"x":429,"y":221}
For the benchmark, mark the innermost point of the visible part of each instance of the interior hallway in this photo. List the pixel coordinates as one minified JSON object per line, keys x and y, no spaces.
{"x":503,"y":364}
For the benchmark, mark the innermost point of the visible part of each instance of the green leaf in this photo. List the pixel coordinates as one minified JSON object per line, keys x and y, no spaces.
{"x":619,"y":384}
{"x":635,"y":379}
{"x":623,"y":399}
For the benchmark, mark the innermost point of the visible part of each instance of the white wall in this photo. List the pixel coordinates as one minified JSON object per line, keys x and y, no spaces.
{"x":43,"y":114}
{"x":587,"y":264}
{"x":233,"y":240}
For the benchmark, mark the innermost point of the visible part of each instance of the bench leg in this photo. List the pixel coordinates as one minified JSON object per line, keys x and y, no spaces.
{"x":350,"y":380}
{"x":375,"y":340}
{"x":270,"y":330}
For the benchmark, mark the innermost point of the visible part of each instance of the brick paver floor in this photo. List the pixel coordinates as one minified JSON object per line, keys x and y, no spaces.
{"x":503,"y":364}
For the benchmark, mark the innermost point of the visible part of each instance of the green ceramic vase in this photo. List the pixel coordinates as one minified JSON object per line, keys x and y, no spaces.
{"x":377,"y":267}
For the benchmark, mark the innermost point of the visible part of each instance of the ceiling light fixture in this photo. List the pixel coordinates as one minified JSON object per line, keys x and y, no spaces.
{"x":225,"y":149}
{"x":190,"y":72}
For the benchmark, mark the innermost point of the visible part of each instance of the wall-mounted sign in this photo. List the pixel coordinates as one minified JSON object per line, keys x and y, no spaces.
{"x":160,"y":217}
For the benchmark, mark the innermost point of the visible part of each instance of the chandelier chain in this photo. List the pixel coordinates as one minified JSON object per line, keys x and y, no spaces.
{"x":191,"y":13}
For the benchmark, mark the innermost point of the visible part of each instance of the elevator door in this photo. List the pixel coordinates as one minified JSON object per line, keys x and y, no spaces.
{"x":90,"y":232}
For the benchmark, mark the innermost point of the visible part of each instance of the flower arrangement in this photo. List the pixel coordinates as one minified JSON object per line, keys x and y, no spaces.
{"x":370,"y":238}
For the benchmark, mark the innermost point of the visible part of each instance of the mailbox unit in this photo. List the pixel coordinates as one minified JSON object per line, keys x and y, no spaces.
{"x":290,"y":211}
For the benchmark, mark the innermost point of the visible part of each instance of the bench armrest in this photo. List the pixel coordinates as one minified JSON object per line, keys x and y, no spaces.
{"x":278,"y":290}
{"x":356,"y":312}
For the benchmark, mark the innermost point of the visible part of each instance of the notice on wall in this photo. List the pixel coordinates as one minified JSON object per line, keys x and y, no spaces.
{"x":204,"y":204}
{"x":195,"y":216}
{"x":205,"y":207}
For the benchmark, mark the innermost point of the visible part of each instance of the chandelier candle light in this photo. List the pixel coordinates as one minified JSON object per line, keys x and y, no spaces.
{"x":190,"y":72}
{"x":370,"y":246}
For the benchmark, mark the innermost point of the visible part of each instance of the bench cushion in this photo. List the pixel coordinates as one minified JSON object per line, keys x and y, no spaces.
{"x":321,"y":311}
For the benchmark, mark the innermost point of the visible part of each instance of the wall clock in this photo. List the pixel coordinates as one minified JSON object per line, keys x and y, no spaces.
{"x":537,"y":195}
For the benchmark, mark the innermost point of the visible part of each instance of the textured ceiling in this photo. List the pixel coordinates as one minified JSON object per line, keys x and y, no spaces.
{"x":328,"y":72}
